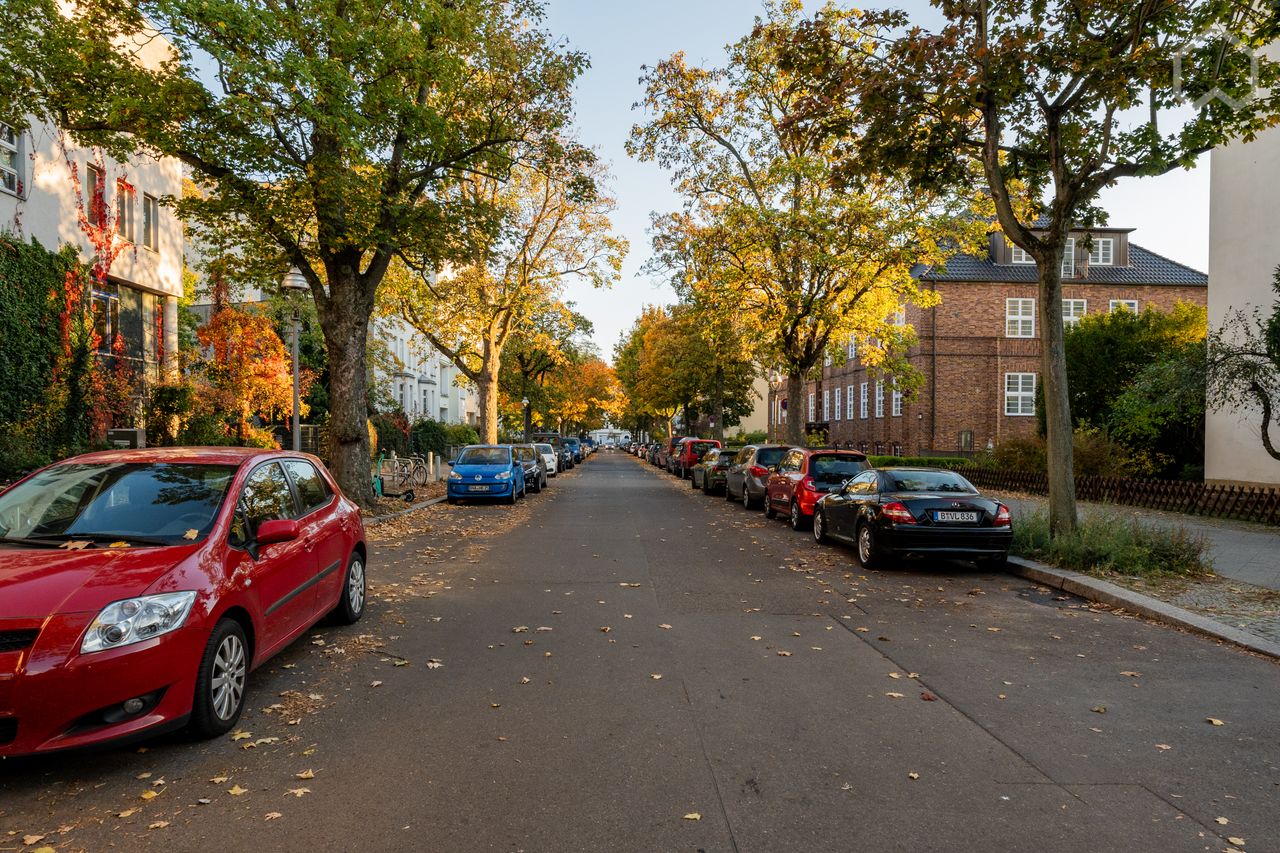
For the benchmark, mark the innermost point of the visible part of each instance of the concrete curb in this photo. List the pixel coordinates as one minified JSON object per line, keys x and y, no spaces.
{"x":1112,"y":595}
{"x":371,"y":522}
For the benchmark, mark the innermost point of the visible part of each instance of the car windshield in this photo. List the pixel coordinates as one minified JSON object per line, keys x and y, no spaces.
{"x":148,"y":503}
{"x":927,"y":481}
{"x":545,"y":449}
{"x":700,"y":447}
{"x":836,"y":469}
{"x":770,"y":455}
{"x":484,"y":456}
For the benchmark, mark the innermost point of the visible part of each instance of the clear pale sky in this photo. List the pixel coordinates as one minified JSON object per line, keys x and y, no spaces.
{"x":1170,"y":213}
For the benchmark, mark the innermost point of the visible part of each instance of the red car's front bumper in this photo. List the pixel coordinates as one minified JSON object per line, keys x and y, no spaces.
{"x":53,"y":697}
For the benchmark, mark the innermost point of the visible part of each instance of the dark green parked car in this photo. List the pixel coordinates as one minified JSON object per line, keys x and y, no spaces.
{"x":709,"y":473}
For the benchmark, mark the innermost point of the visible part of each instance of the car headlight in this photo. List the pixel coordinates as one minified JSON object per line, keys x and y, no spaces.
{"x":133,"y":620}
{"x":503,"y":475}
{"x":454,"y":475}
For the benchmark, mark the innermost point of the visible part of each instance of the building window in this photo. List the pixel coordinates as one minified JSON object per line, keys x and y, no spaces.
{"x":1072,"y":312}
{"x":1069,"y":259}
{"x":1019,"y":394}
{"x":95,"y":202}
{"x":898,"y":318}
{"x":124,"y":210}
{"x":895,"y":404}
{"x":848,"y":403}
{"x":837,"y":406}
{"x":1102,"y":253}
{"x":897,"y":449}
{"x":965,"y":441}
{"x":1020,"y":318}
{"x":9,"y":160}
{"x":150,"y":222}
{"x":879,"y":399}
{"x":1018,"y":255}
{"x":852,"y":349}
{"x":826,"y":405}
{"x":863,"y":401}
{"x":1124,"y":305}
{"x":826,"y":360}
{"x":813,"y":407}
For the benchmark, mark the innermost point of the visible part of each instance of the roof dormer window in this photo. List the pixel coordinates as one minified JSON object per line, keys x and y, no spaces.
{"x":1020,"y":256}
{"x":1102,"y":252}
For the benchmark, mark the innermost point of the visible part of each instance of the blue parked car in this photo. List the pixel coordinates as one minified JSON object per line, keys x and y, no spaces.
{"x":575,"y":446}
{"x":486,"y":471}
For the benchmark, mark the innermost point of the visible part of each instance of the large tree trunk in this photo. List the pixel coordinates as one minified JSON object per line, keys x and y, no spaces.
{"x":796,"y":412}
{"x":487,"y":388}
{"x":1057,"y":403}
{"x":346,"y":334}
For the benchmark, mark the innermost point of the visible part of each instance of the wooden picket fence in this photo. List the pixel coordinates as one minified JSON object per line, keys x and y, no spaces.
{"x":1207,"y":499}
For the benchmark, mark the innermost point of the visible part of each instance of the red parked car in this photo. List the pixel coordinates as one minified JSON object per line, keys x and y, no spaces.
{"x":688,"y":453}
{"x":806,"y":474}
{"x":138,"y":588}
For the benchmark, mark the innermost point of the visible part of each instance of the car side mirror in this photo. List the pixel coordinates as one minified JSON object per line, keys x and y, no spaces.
{"x":276,"y":530}
{"x":451,"y":462}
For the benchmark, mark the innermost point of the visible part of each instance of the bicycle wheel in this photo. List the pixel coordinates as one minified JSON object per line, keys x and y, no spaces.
{"x":419,"y":473}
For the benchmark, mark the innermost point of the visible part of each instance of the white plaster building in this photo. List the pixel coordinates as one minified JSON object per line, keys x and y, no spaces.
{"x":424,"y":383}
{"x":1244,"y":207}
{"x":46,"y":180}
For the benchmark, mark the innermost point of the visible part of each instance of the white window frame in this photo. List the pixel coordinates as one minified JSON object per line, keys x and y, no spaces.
{"x":852,"y":349}
{"x":1018,"y":255}
{"x":898,"y":318}
{"x":126,"y":202}
{"x":826,"y":405}
{"x":836,"y":408}
{"x":1098,"y":257}
{"x":879,"y":399}
{"x":150,"y":222}
{"x":895,"y":403}
{"x":848,"y":403}
{"x":10,"y":160}
{"x":863,"y":400}
{"x":1125,"y":304}
{"x":1069,"y":259}
{"x":813,"y":407}
{"x":1073,"y":311}
{"x":1020,"y":317}
{"x":1019,"y":395}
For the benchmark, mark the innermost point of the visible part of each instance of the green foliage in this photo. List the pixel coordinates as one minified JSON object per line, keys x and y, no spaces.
{"x":393,"y":432}
{"x":1107,"y":542}
{"x":1094,"y":454}
{"x":756,"y":436}
{"x":46,"y":356}
{"x":429,"y":437}
{"x":919,"y":461}
{"x":462,"y":434}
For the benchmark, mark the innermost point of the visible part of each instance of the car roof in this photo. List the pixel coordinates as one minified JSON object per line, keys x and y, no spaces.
{"x":834,"y":450}
{"x":918,"y":468}
{"x":193,"y":455}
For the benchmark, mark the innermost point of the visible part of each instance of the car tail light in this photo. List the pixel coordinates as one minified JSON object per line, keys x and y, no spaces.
{"x":1003,"y":519}
{"x":807,"y":484}
{"x":898,"y":513}
{"x":757,"y":471}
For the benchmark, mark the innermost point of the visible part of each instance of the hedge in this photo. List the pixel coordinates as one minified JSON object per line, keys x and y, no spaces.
{"x":919,"y":461}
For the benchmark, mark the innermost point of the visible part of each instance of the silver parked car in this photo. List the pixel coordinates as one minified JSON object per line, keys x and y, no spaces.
{"x":748,"y":477}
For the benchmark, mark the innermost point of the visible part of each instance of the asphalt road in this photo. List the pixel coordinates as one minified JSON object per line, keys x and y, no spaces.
{"x":700,"y":661}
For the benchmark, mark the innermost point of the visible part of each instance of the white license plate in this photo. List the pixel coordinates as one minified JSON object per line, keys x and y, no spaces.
{"x":478,"y":488}
{"x":963,"y":517}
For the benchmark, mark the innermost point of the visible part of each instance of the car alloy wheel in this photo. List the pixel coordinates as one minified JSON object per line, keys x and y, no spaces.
{"x":868,"y":554}
{"x":797,"y":518}
{"x":819,"y":527}
{"x":220,"y":681}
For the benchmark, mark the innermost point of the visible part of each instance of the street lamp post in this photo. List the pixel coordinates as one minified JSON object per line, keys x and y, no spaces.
{"x":527,"y":418}
{"x":294,"y":283}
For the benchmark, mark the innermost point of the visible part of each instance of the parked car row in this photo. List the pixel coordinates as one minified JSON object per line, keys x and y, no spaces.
{"x":509,"y":472}
{"x":885,"y":513}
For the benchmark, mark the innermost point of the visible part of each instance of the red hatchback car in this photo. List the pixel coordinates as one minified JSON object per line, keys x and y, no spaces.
{"x":139,"y":588}
{"x":803,"y":476}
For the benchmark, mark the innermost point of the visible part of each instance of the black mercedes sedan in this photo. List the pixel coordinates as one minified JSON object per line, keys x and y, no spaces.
{"x":897,"y":512}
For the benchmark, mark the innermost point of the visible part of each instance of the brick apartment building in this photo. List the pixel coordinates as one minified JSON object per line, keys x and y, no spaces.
{"x":979,"y":350}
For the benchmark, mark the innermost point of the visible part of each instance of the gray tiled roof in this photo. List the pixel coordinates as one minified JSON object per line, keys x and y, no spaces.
{"x":1145,"y":267}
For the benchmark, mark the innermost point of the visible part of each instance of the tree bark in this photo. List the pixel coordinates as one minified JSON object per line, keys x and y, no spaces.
{"x":487,"y":388}
{"x":796,"y":412}
{"x":1057,"y":403}
{"x":345,"y":322}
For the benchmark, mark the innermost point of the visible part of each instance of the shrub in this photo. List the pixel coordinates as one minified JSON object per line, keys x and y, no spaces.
{"x":1107,"y":543}
{"x":393,"y":432}
{"x":1094,"y":454}
{"x":429,"y":437}
{"x":459,"y":435}
{"x":919,"y":461}
{"x":757,"y":436}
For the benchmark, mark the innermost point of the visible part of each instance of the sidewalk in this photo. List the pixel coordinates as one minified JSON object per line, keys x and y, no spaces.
{"x":1244,"y":591}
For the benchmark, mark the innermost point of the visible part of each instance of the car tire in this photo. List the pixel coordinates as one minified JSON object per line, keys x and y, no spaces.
{"x":355,"y":592}
{"x":220,"y":682}
{"x":868,"y":550}
{"x":797,"y":518}
{"x":728,"y":495}
{"x":769,"y":511}
{"x":747,"y":503}
{"x":451,"y":501}
{"x":510,"y":499}
{"x":820,"y":527}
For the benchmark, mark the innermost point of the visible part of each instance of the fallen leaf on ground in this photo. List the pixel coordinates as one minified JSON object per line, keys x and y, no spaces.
{"x":630,"y":585}
{"x":1222,"y":821}
{"x":375,"y":684}
{"x":273,"y":816}
{"x":895,"y":675}
{"x":127,"y":813}
{"x":543,"y":629}
{"x":757,"y":638}
{"x":520,"y":629}
{"x":159,"y":824}
{"x":495,"y":704}
{"x":655,"y":675}
{"x":524,"y":679}
{"x":236,"y":790}
{"x":862,"y":630}
{"x":913,"y":776}
{"x":32,"y":839}
{"x":1131,"y":674}
{"x":306,"y":774}
{"x":148,"y":795}
{"x":928,"y":697}
{"x":298,"y":792}
{"x":783,"y":654}
{"x":1099,"y":709}
{"x":1213,"y":722}
{"x":1163,"y":747}
{"x":693,"y":816}
{"x":1236,"y":840}
{"x":664,"y":626}
{"x":892,"y":695}
{"x":241,"y":735}
{"x":435,"y":663}
{"x":604,"y":629}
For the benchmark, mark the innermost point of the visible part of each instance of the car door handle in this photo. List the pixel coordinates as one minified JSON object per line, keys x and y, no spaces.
{"x":308,"y":545}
